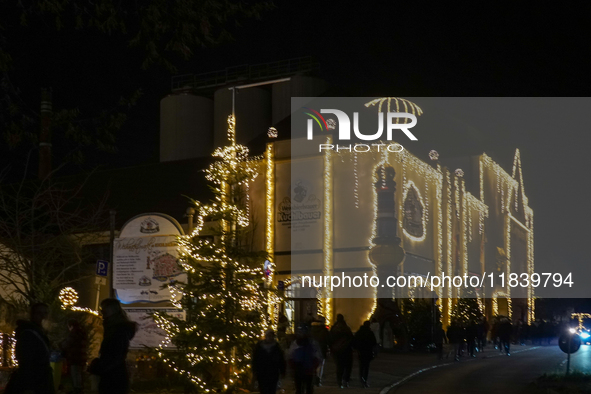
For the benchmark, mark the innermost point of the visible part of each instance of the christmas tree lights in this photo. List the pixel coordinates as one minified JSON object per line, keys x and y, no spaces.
{"x":69,"y":297}
{"x":226,"y":303}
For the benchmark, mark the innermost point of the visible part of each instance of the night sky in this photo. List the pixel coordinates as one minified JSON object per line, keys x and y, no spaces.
{"x":403,"y":49}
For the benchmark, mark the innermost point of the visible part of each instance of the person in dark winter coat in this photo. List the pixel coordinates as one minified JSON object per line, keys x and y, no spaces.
{"x":268,"y":363}
{"x":341,"y":339}
{"x":439,"y":338}
{"x":304,"y":357}
{"x":111,"y":366}
{"x":34,"y":374}
{"x":482,"y":333}
{"x":321,"y":335}
{"x":365,"y":343}
{"x":455,"y":336}
{"x":505,"y":329}
{"x":471,"y":334}
{"x":74,"y":349}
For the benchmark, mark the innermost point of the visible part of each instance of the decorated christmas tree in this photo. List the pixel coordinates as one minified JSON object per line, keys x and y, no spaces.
{"x":224,"y":297}
{"x":467,"y":310}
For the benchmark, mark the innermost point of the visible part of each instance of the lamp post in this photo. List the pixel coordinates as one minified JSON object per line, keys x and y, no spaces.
{"x":571,"y":331}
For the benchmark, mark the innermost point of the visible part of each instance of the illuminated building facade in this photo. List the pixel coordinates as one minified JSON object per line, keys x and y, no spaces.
{"x":469,"y":221}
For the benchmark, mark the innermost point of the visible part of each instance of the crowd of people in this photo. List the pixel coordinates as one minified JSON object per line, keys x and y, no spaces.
{"x":314,"y":342}
{"x":307,"y":353}
{"x":472,"y":337}
{"x":33,"y":351}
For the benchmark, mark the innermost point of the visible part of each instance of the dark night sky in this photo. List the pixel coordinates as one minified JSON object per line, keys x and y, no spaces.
{"x":374,"y":48}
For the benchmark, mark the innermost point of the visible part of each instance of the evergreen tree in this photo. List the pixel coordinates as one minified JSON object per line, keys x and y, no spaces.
{"x":224,"y":297}
{"x":467,"y":310}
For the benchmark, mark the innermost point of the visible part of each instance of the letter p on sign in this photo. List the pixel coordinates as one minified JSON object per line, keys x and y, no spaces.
{"x":102,"y":267}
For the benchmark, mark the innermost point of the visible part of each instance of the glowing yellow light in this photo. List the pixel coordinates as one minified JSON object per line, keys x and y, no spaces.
{"x":68,"y":297}
{"x":328,"y":229}
{"x":402,"y":105}
{"x":408,"y":185}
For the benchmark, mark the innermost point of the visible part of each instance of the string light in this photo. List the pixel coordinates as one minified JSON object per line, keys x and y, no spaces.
{"x":328,"y":229}
{"x":230,"y":301}
{"x":69,"y":297}
{"x":270,"y":223}
{"x":409,"y":106}
{"x":408,"y":186}
{"x":356,"y":180}
{"x":580,"y":317}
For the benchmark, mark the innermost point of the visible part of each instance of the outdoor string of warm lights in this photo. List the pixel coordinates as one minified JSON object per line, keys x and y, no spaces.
{"x":234,"y":168}
{"x":69,"y":297}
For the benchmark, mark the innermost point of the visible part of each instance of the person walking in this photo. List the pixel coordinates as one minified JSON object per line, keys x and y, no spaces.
{"x":111,"y":366}
{"x":505,"y":329}
{"x":32,"y":351}
{"x":320,"y":334}
{"x":471,"y":334}
{"x":268,"y":363}
{"x":455,"y":337}
{"x":439,"y":338}
{"x":75,"y":348}
{"x":375,"y":328}
{"x":341,"y":338}
{"x":365,"y":343}
{"x":304,"y":358}
{"x":482,"y":333}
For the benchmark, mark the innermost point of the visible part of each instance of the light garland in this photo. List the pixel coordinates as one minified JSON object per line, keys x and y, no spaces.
{"x":449,"y":241}
{"x":439,"y":229}
{"x":229,"y":300}
{"x":10,"y":349}
{"x":399,"y":103}
{"x":580,"y":317}
{"x":69,"y":297}
{"x":328,"y":230}
{"x":374,"y":228}
{"x":356,"y":180}
{"x":407,"y":187}
{"x":270,"y":224}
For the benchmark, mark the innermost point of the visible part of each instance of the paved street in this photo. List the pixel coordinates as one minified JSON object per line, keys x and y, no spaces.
{"x":490,"y":372}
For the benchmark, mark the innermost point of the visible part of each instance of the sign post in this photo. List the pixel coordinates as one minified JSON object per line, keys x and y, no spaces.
{"x":102,"y":270}
{"x":569,"y":342}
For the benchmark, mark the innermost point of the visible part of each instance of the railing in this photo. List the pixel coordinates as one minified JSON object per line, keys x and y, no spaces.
{"x":243,"y":73}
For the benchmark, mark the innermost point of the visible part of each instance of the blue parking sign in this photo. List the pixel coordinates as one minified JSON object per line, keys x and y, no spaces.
{"x":102,"y":267}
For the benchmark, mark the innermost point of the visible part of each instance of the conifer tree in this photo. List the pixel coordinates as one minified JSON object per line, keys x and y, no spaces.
{"x":467,"y":310}
{"x":224,"y":297}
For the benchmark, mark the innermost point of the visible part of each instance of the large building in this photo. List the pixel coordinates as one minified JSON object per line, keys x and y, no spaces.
{"x":468,"y":221}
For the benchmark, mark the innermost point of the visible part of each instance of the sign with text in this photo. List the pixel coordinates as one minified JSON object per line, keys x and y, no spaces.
{"x":148,"y":333}
{"x":144,"y":265}
{"x":146,"y":259}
